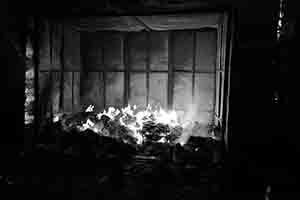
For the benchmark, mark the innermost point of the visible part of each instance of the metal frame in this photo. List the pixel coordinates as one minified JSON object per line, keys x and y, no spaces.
{"x":230,"y":42}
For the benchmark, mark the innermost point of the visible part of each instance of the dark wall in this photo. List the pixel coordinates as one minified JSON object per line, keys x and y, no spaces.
{"x":263,"y":137}
{"x":11,"y":101}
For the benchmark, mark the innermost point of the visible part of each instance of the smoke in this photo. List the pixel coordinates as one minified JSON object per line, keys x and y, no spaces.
{"x":193,"y":123}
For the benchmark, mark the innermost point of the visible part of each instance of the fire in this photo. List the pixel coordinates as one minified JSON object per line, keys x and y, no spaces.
{"x":142,"y":124}
{"x":134,"y":119}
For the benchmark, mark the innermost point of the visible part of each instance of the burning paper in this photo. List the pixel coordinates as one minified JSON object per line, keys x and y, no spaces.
{"x":141,"y":125}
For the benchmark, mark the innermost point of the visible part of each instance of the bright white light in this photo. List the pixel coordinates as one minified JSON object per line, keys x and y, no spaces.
{"x":90,"y":108}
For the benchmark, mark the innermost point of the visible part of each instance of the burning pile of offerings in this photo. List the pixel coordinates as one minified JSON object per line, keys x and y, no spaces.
{"x":148,"y":132}
{"x":131,"y":125}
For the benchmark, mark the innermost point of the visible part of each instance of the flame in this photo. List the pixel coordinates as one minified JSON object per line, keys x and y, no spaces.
{"x":90,"y":108}
{"x":133,"y":118}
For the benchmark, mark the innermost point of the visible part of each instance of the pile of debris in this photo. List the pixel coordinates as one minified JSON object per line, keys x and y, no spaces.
{"x":112,"y":139}
{"x":108,"y":127}
{"x":158,"y":132}
{"x":104,"y":126}
{"x":130,"y":132}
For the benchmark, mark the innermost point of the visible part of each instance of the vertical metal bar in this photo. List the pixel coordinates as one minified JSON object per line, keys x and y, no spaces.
{"x":103,"y":77}
{"x":220,"y":97}
{"x":82,"y":71}
{"x":170,"y":71}
{"x":104,"y":87}
{"x":223,"y":56}
{"x":51,"y":74}
{"x":148,"y":67}
{"x":51,"y":41}
{"x":194,"y":65}
{"x":72,"y":86}
{"x":231,"y":43}
{"x":61,"y":99}
{"x":51,"y":63}
{"x":217,"y":74}
{"x":126,"y":66}
{"x":78,"y":106}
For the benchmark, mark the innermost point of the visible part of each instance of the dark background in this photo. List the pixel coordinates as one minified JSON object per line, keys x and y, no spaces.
{"x":263,"y":136}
